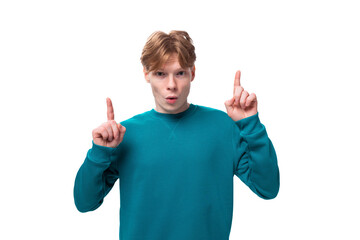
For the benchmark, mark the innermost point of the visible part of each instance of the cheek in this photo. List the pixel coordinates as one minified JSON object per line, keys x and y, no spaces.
{"x":155,"y":90}
{"x":186,"y":89}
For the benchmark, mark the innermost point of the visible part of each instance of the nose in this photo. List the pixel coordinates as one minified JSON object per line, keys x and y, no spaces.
{"x":171,"y":84}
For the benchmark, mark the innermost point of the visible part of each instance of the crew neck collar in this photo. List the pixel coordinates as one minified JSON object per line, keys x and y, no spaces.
{"x":173,"y":116}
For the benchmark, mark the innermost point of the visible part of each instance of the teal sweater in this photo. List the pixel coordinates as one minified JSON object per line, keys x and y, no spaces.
{"x":176,"y":173}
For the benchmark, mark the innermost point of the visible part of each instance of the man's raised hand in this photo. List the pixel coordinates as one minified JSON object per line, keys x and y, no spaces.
{"x":241,"y":105}
{"x":110,"y":133}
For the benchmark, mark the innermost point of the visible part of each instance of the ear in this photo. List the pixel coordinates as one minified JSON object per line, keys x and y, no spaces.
{"x":146,"y":75}
{"x":192,"y":73}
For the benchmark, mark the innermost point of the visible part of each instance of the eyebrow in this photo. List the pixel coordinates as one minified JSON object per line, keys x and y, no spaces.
{"x":176,"y":70}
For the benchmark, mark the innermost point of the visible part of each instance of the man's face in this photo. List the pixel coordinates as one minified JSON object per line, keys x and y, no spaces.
{"x":171,"y":86}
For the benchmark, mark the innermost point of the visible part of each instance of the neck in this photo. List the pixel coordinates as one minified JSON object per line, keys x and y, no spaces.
{"x":181,"y":109}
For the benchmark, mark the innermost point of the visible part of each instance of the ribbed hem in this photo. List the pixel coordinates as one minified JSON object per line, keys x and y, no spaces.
{"x":100,"y":154}
{"x":250,"y":124}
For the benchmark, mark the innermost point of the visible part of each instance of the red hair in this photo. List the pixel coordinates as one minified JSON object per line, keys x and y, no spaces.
{"x":160,"y":46}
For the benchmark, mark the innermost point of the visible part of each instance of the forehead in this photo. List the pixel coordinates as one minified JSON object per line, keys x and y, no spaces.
{"x":172,"y":62}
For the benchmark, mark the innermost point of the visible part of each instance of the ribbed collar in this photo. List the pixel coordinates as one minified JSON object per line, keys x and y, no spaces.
{"x":176,"y":116}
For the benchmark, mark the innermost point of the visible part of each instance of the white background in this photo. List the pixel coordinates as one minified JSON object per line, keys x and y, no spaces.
{"x":59,"y":60}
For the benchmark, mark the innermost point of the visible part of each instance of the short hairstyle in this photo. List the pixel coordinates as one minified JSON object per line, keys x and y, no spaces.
{"x":160,"y":46}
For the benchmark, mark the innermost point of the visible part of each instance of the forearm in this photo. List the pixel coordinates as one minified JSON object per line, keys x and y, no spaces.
{"x":94,"y":179}
{"x":258,"y":167}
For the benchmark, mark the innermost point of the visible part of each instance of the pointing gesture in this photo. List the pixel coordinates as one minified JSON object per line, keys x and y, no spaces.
{"x":241,"y":105}
{"x":110,"y":133}
{"x":110,"y":109}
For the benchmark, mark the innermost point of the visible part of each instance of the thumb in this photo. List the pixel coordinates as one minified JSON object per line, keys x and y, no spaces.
{"x":121,"y":128}
{"x":229,"y":104}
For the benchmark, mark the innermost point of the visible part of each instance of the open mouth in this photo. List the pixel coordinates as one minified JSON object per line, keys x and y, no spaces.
{"x":171,"y":99}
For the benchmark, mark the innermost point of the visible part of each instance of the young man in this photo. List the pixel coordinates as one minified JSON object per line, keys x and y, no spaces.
{"x":176,"y":162}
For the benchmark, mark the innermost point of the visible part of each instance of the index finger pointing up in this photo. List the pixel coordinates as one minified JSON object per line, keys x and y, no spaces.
{"x":110,"y":109}
{"x":237,"y":78}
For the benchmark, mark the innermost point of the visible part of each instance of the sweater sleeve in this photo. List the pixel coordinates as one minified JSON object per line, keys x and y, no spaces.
{"x":95,"y":178}
{"x":255,"y":157}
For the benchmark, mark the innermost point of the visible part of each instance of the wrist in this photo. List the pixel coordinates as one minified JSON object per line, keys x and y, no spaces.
{"x":249,"y":124}
{"x":100,"y":154}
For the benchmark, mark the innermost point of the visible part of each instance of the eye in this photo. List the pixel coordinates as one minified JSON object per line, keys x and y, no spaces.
{"x":181,"y":73}
{"x":159,"y":74}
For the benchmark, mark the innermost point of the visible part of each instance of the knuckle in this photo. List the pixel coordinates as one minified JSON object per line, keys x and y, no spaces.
{"x":116,"y":134}
{"x":97,"y":130}
{"x":103,"y":130}
{"x":110,"y":131}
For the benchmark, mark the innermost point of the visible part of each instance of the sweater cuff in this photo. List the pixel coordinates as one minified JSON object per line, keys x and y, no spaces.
{"x":100,"y":154}
{"x":250,"y":124}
